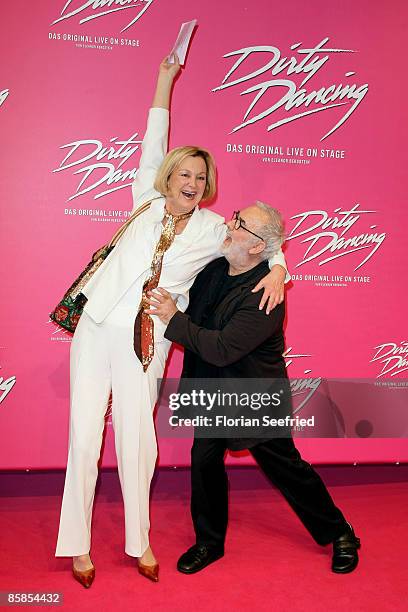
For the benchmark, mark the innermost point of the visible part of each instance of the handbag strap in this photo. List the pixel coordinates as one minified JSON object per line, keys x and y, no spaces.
{"x":119,"y":233}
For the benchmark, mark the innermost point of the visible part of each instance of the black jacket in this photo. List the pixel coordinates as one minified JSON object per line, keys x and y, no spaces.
{"x":247,"y":343}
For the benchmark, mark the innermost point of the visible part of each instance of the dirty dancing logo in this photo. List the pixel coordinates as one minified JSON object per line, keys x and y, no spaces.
{"x":304,"y":62}
{"x":392,"y":357}
{"x":330,"y":236}
{"x":101,"y":8}
{"x":302,"y":389}
{"x":105,"y":167}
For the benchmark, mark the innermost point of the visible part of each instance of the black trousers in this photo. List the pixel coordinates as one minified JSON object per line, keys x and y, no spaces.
{"x":281,"y":462}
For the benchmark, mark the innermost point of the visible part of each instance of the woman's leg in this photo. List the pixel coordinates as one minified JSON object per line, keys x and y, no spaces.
{"x":134,"y":395}
{"x":90,"y":388}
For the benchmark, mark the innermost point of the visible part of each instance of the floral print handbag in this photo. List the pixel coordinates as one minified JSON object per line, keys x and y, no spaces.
{"x":68,"y":311}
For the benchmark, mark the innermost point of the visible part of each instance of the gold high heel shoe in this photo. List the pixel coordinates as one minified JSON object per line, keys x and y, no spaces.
{"x":85,"y":577}
{"x":149,"y":571}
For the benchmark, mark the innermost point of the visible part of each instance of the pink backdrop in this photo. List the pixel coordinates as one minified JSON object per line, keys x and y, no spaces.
{"x":58,"y":90}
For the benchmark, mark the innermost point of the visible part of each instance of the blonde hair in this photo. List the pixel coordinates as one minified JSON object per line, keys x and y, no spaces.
{"x":175,"y":158}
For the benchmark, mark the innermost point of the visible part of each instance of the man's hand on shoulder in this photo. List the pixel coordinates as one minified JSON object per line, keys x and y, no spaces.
{"x":273,"y":285}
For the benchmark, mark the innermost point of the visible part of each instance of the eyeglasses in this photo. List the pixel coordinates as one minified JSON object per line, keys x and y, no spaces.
{"x":239,"y":222}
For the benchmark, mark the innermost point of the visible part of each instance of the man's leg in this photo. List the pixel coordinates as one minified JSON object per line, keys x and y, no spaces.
{"x":302,"y":487}
{"x":307,"y":495}
{"x":209,"y":504}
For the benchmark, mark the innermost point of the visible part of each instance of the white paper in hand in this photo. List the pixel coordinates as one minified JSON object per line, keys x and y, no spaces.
{"x":182,"y":42}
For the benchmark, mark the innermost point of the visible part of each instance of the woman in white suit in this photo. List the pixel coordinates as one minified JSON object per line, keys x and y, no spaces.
{"x":102,"y":354}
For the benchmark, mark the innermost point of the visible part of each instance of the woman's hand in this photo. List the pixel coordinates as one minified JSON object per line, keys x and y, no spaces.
{"x":164,"y":305}
{"x":167,"y":74}
{"x":170,"y":69}
{"x":273,"y":284}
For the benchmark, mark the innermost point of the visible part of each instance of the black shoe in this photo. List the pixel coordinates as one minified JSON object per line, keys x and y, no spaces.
{"x":198,"y":557}
{"x":345,"y":556}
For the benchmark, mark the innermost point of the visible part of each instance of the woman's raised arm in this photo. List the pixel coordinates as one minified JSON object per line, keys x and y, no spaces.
{"x":165,"y":79}
{"x":154,"y":145}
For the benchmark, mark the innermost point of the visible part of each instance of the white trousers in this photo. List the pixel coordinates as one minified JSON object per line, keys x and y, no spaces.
{"x":103,"y":359}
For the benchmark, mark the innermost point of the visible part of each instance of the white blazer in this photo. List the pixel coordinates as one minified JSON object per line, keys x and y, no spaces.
{"x":130,"y":260}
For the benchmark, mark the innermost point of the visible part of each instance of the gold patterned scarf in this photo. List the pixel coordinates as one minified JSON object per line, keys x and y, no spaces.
{"x":143,"y":341}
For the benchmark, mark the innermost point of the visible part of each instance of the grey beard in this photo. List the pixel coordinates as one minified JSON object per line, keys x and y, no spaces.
{"x":234,"y":255}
